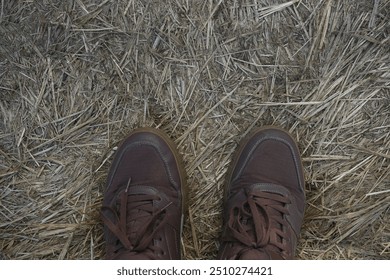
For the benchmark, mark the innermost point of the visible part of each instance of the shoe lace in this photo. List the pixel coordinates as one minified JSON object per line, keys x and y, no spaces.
{"x":149,"y":218}
{"x":253,"y":222}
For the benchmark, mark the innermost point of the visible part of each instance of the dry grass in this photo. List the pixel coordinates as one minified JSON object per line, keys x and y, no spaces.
{"x":76,"y":76}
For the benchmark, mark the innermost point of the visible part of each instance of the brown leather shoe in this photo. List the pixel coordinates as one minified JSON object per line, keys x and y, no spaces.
{"x":144,"y":202}
{"x":264,"y":198}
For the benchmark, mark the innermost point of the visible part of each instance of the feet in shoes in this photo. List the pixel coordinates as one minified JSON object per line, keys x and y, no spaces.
{"x":145,"y":198}
{"x":144,"y":201}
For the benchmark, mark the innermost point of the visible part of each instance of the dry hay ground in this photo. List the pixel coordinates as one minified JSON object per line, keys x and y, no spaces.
{"x":77,"y":76}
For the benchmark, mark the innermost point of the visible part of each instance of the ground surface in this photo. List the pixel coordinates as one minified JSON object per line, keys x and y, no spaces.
{"x":77,"y":76}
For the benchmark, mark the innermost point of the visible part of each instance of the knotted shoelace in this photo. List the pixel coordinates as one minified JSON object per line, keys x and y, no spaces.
{"x":152,"y":221}
{"x":250,"y":223}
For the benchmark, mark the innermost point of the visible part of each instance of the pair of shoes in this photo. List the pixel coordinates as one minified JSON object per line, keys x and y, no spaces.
{"x":145,"y":200}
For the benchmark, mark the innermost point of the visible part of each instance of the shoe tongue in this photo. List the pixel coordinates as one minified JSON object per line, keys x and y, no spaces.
{"x":266,"y":253}
{"x":254,"y":255}
{"x":132,"y":256}
{"x":246,"y":217}
{"x":248,"y":224}
{"x":137,"y":216}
